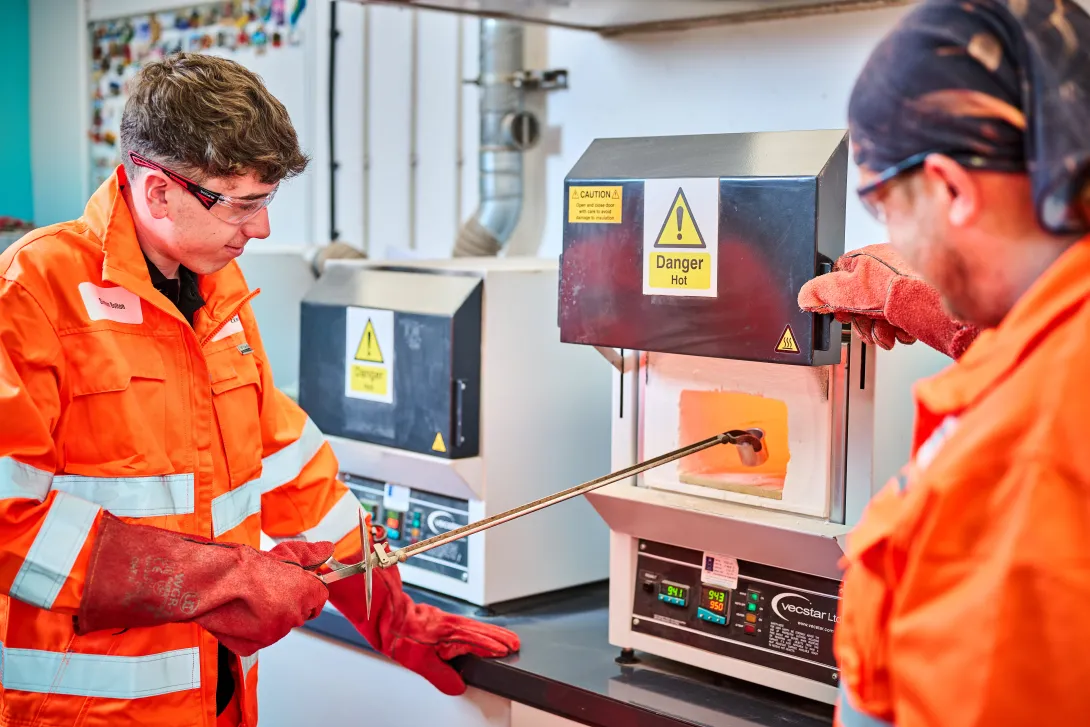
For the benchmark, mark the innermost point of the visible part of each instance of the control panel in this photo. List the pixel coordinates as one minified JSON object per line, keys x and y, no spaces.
{"x":412,"y":515}
{"x":747,"y":611}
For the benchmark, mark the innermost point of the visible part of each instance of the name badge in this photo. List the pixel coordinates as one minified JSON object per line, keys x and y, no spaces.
{"x":111,"y":304}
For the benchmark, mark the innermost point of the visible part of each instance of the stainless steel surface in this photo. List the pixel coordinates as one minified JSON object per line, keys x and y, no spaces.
{"x":768,"y":154}
{"x":502,"y":45}
{"x":500,"y":162}
{"x":622,"y":17}
{"x":859,"y":469}
{"x":778,"y":539}
{"x":360,"y":284}
{"x":839,"y":379}
{"x":751,"y":448}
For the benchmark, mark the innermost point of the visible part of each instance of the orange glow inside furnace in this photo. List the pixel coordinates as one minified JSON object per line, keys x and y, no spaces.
{"x":706,"y":413}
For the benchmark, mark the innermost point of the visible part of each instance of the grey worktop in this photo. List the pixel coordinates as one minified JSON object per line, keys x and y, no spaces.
{"x":567,"y":667}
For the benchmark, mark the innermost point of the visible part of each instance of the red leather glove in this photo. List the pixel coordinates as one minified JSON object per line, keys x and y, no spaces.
{"x":248,"y":599}
{"x":886,"y":301}
{"x":419,"y":637}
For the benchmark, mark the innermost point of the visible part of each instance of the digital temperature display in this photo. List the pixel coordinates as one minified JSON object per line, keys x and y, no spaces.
{"x":674,"y":593}
{"x":715,"y":600}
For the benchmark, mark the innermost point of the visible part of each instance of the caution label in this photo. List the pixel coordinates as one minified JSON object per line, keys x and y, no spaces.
{"x":601,"y":205}
{"x":369,"y":354}
{"x":787,"y":342}
{"x":438,"y":445}
{"x":681,"y":237}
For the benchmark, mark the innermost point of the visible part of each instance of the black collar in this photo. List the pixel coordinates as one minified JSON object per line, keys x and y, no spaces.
{"x":182,"y":291}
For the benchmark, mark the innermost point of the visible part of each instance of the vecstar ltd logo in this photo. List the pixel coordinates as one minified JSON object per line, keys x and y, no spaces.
{"x":440,"y":521}
{"x":781,"y":605}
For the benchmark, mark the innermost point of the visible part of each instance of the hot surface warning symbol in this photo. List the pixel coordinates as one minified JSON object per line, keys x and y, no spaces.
{"x":679,"y":229}
{"x":368,"y":349}
{"x":438,"y":445}
{"x":787,"y":342}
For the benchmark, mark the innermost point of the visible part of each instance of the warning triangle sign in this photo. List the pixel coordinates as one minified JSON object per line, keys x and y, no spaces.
{"x":438,"y":445}
{"x":787,"y":342}
{"x":679,"y":228}
{"x":368,"y":349}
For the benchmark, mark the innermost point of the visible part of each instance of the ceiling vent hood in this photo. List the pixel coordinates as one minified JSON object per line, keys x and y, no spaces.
{"x":622,"y":17}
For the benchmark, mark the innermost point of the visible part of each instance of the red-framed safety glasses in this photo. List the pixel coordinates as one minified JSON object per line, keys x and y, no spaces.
{"x":233,"y":210}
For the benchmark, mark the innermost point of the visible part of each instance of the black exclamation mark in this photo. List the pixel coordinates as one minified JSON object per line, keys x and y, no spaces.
{"x":369,"y":343}
{"x":680,"y":214}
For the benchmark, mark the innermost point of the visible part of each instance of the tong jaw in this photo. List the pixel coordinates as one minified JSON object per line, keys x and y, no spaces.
{"x":368,"y":547}
{"x":374,"y":556}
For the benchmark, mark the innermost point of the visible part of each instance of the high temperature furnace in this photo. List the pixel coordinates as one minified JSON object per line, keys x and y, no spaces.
{"x":682,"y":262}
{"x":447,"y":398}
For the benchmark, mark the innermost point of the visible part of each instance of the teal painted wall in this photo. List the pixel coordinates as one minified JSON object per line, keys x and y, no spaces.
{"x":16,"y":193}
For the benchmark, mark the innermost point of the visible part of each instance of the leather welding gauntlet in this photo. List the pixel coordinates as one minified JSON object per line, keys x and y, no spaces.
{"x":248,"y":599}
{"x":885,"y":301}
{"x":419,"y":637}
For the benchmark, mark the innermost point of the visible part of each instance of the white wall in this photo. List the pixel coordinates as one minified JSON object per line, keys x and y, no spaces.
{"x":58,"y":43}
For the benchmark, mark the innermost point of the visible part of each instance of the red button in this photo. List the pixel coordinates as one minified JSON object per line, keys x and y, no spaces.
{"x":751,"y":629}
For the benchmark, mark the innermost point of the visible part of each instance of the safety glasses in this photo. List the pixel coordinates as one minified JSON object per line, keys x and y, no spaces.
{"x":870,"y":194}
{"x":233,"y":210}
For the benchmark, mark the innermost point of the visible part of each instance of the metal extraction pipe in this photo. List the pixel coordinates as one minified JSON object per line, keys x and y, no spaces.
{"x":500,"y":159}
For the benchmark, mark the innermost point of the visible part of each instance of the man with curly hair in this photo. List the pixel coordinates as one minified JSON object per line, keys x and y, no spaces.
{"x":144,"y":447}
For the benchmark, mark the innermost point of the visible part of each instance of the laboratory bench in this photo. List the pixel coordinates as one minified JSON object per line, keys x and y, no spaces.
{"x":567,"y":668}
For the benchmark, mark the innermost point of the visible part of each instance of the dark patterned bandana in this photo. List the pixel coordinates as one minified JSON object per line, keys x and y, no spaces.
{"x":1001,"y":85}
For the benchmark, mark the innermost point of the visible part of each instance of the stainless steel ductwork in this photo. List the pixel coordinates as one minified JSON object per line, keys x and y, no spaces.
{"x":507,"y":130}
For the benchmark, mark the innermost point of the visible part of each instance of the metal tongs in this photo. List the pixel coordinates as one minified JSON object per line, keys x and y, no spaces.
{"x":751,"y":449}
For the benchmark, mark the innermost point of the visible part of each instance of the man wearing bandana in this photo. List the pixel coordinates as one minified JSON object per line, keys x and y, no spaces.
{"x":967,"y":582}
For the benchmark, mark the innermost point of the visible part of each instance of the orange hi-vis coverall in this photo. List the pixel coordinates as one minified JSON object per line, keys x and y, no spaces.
{"x":966,"y":598}
{"x":110,"y":401}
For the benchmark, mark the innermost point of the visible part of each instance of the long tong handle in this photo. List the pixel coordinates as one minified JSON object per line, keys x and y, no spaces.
{"x":753,"y":452}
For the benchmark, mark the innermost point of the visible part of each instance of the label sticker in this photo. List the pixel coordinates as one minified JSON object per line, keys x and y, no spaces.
{"x":111,"y":304}
{"x":369,"y":354}
{"x":232,"y":327}
{"x":720,"y":570}
{"x":787,"y":342}
{"x":396,"y":497}
{"x":681,"y":237}
{"x":438,"y":445}
{"x":600,"y":205}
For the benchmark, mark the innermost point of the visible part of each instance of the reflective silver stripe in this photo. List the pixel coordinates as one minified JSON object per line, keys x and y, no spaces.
{"x":852,"y":717}
{"x":930,"y":449}
{"x":342,"y":519}
{"x":97,"y":675}
{"x":54,"y":550}
{"x":22,"y":480}
{"x":247,"y":663}
{"x":133,"y":496}
{"x":230,"y":509}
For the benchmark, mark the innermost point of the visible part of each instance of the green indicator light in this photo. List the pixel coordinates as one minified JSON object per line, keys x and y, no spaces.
{"x":754,"y":596}
{"x":752,"y":607}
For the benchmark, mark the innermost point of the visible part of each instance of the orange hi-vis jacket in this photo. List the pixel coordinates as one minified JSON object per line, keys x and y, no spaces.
{"x":110,"y":401}
{"x":966,"y":598}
